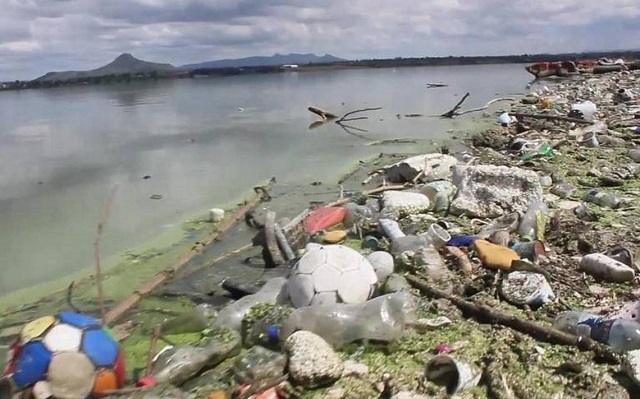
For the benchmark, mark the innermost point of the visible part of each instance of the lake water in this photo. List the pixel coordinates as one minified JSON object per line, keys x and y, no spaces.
{"x":204,"y":142}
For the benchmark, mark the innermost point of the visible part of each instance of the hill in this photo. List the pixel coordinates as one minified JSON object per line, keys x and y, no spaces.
{"x":276,"y":59}
{"x":123,"y":64}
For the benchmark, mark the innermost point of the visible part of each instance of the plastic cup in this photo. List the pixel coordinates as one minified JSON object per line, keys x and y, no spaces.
{"x":456,"y":376}
{"x":438,"y":236}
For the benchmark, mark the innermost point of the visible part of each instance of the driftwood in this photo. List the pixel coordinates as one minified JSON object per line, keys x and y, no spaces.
{"x":161,"y":277}
{"x":452,"y":112}
{"x":325,"y":115}
{"x":283,"y":243}
{"x":393,"y":141}
{"x":370,"y":192}
{"x":487,"y":105}
{"x":434,"y":85}
{"x":464,"y":264}
{"x":483,"y":312}
{"x":553,"y":118}
{"x":271,"y":242}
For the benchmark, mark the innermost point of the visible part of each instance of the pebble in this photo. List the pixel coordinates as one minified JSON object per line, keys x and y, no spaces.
{"x":635,"y":155}
{"x":631,"y":365}
{"x":312,"y":361}
{"x":382,"y":263}
{"x":354,"y":369}
{"x":335,"y":393}
{"x":409,"y":395}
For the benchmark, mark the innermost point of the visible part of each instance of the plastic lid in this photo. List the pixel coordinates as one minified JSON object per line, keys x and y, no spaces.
{"x":272,"y":333}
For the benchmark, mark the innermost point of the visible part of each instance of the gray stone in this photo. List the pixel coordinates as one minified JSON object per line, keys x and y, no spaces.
{"x":409,"y":395}
{"x":258,"y":364}
{"x":401,"y":203}
{"x":395,"y":283}
{"x":631,"y":365}
{"x":382,"y":263}
{"x":635,"y":155}
{"x":488,"y":191}
{"x":435,"y":167}
{"x":312,"y":361}
{"x":335,"y":393}
{"x":354,"y":369}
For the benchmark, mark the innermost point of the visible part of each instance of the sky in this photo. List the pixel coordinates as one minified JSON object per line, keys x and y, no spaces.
{"x":37,"y":36}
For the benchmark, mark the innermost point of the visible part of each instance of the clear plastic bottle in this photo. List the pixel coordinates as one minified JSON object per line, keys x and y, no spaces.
{"x":231,"y":316}
{"x":383,"y":319}
{"x":603,"y":199}
{"x":528,"y":228}
{"x":620,"y":334}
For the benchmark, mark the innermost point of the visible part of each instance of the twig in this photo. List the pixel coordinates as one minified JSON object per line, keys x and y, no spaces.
{"x":452,"y":112}
{"x":101,"y":226}
{"x":393,"y":141}
{"x":344,"y":117}
{"x":483,"y":312}
{"x":370,"y":192}
{"x":69,"y":295}
{"x":152,"y":349}
{"x":487,"y":105}
{"x":553,"y":118}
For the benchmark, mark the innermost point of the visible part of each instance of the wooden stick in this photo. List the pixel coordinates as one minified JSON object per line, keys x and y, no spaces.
{"x":284,"y":244}
{"x":161,"y":277}
{"x":553,"y":118}
{"x":370,"y":192}
{"x":152,"y":349}
{"x":486,"y":313}
{"x":453,"y":111}
{"x":344,"y":117}
{"x":464,"y":264}
{"x":487,"y":105}
{"x":101,"y":226}
{"x":270,"y":239}
{"x":325,"y":115}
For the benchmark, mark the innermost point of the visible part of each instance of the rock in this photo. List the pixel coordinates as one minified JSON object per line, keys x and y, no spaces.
{"x":382,"y":263}
{"x":431,"y":324}
{"x":611,"y":181}
{"x":312,"y":361}
{"x":395,"y":283}
{"x":611,"y":141}
{"x":631,"y":365}
{"x":259,"y":364}
{"x":354,"y":369}
{"x":546,"y":181}
{"x":488,"y":191}
{"x":494,"y":256}
{"x":526,"y":288}
{"x":601,"y":266}
{"x":397,"y":204}
{"x":435,"y":166}
{"x":567,"y":205}
{"x":563,"y":190}
{"x":634,"y":154}
{"x":409,"y":395}
{"x":335,"y":393}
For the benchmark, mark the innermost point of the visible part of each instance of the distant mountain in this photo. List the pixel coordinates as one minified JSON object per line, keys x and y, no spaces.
{"x":123,"y":64}
{"x":277,"y":59}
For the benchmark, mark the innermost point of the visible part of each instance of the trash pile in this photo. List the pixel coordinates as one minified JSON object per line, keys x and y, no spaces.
{"x":508,"y":271}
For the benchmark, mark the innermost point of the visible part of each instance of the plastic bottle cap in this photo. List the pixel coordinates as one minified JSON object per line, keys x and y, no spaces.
{"x":147,"y":381}
{"x":272,"y":333}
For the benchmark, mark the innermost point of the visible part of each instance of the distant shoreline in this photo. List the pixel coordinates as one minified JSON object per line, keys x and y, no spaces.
{"x":398,"y":62}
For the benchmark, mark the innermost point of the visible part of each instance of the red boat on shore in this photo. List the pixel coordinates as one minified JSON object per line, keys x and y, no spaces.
{"x":569,"y":68}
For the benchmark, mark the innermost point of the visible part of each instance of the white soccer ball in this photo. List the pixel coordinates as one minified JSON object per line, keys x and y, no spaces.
{"x":329,"y":274}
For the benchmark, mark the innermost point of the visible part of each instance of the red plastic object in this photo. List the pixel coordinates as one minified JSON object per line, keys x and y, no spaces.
{"x":146,"y":381}
{"x":119,"y":369}
{"x":323,"y":218}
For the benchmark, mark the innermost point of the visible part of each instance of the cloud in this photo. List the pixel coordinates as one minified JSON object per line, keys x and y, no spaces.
{"x":37,"y":36}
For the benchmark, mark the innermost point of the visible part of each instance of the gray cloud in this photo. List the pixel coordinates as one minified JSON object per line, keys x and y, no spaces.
{"x":37,"y":36}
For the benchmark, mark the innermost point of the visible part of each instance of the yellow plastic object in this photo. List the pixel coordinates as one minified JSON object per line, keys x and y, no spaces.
{"x":34,"y":329}
{"x":495,"y":256}
{"x":547,"y":103}
{"x":334,"y":237}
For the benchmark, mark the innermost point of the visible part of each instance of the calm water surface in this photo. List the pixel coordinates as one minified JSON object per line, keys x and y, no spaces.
{"x":204,"y":142}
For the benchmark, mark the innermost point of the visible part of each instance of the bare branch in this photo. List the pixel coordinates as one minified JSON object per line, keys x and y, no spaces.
{"x":357,"y":111}
{"x":325,"y":115}
{"x":487,"y":105}
{"x":101,"y":225}
{"x":453,"y":111}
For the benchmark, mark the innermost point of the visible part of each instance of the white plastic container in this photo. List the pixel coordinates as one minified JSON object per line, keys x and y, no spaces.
{"x":216,"y":215}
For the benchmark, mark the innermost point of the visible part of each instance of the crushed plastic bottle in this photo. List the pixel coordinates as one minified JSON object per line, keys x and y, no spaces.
{"x":192,"y":321}
{"x":231,"y":316}
{"x":532,"y":224}
{"x":384,"y":318}
{"x":620,"y":334}
{"x":603,"y":199}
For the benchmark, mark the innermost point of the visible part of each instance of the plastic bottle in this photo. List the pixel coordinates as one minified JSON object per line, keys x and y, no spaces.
{"x":587,"y":109}
{"x":529,"y":227}
{"x":192,"y":321}
{"x":383,"y":319}
{"x":231,"y":316}
{"x":620,"y":334}
{"x":603,"y":199}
